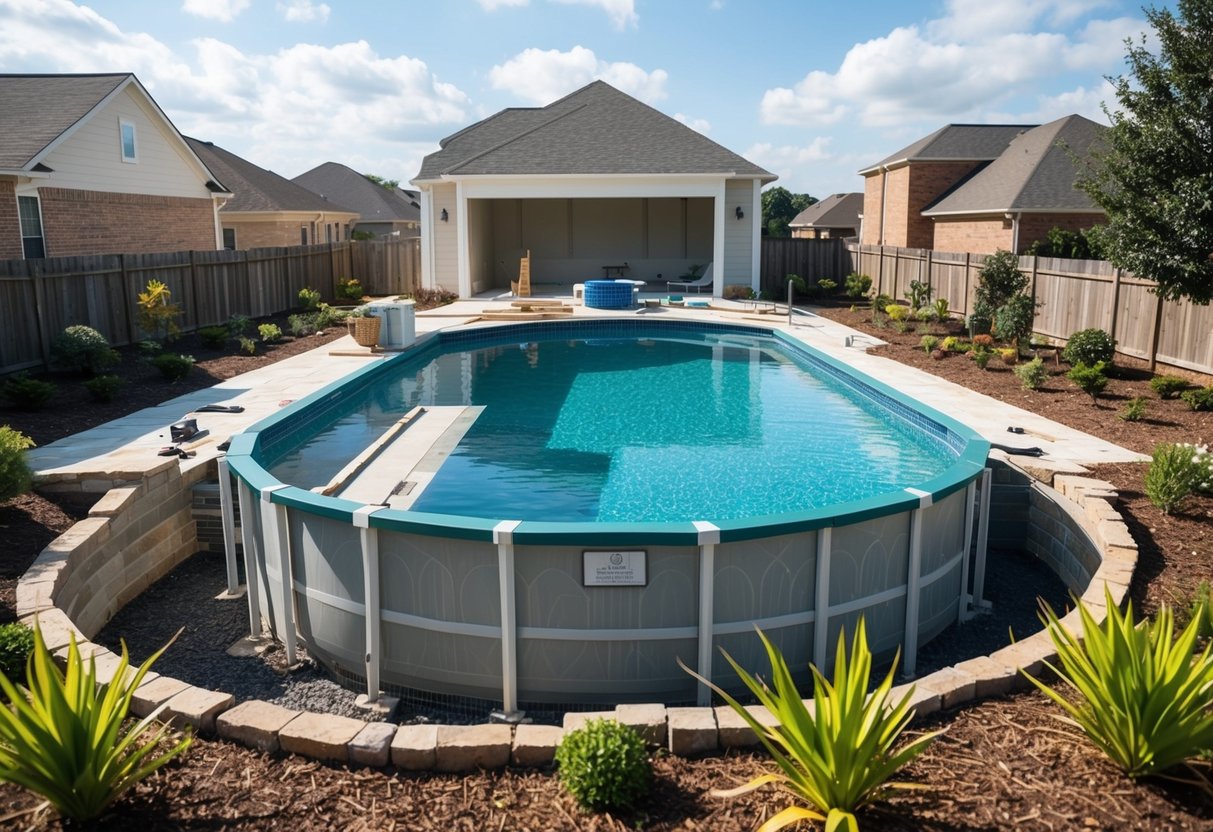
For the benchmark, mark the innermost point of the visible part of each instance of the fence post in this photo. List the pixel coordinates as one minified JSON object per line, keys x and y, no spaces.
{"x":44,"y":337}
{"x":1156,"y":334}
{"x":194,"y":292}
{"x":1115,"y":302}
{"x":127,"y":301}
{"x":896,"y":269}
{"x":966,"y":307}
{"x":1035,"y":269}
{"x":929,"y":265}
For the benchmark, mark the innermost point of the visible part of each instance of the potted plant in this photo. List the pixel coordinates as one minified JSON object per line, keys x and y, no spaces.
{"x":363,"y":327}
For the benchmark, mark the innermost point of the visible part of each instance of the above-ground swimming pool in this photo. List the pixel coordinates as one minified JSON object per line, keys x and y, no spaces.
{"x":569,"y":507}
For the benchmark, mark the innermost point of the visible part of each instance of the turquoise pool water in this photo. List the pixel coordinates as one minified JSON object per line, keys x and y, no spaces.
{"x":697,"y":427}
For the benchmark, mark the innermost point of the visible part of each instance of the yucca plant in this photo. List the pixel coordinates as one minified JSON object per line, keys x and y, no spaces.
{"x":64,"y":738}
{"x":839,"y":757}
{"x":1147,"y":699}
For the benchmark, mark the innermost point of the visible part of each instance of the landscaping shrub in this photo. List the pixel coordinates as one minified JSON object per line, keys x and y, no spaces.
{"x":604,"y":765}
{"x":981,"y":357}
{"x":940,"y":309}
{"x":82,"y":349}
{"x":104,"y":388}
{"x":213,"y":337}
{"x":926,"y":314}
{"x":431,"y":298}
{"x":156,"y":314}
{"x":1200,"y":610}
{"x":15,"y":474}
{"x":950,"y":344}
{"x":1032,"y":374}
{"x":1146,"y":696}
{"x":896,"y":312}
{"x":173,"y":366}
{"x":1090,"y":379}
{"x":350,"y":289}
{"x":16,"y":643}
{"x":827,"y":286}
{"x":270,"y":333}
{"x":857,"y":285}
{"x":1168,"y":387}
{"x":247,"y":345}
{"x":309,"y":298}
{"x":237,"y":325}
{"x":66,"y":741}
{"x":1199,"y":399}
{"x":1090,"y":347}
{"x":25,"y":393}
{"x":839,"y":756}
{"x":327,"y":316}
{"x":799,"y":287}
{"x":1176,"y":470}
{"x":1013,"y":320}
{"x":999,"y":281}
{"x":301,"y":325}
{"x":1134,"y":409}
{"x":1009,"y":355}
{"x":920,"y":295}
{"x":149,"y":348}
{"x":928,"y":342}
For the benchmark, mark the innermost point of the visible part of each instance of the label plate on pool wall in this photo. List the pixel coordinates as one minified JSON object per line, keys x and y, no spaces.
{"x":617,"y":568}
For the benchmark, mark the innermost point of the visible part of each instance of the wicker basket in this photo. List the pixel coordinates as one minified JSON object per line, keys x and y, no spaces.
{"x":365,"y":331}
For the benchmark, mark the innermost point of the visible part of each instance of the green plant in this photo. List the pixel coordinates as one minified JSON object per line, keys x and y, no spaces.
{"x":301,"y":325}
{"x":1013,"y":320}
{"x":149,"y":348}
{"x":156,"y":314}
{"x":896,"y":312}
{"x":1090,"y":347}
{"x":1147,"y":697}
{"x":1199,"y":399}
{"x":940,"y":309}
{"x":431,"y":298}
{"x":857,"y":285}
{"x":237,"y":325}
{"x":928,"y":343}
{"x":1009,"y":355}
{"x":15,"y":474}
{"x":603,"y":764}
{"x":309,"y":298}
{"x":16,"y":643}
{"x":269,"y":333}
{"x":949,"y":344}
{"x":1175,"y":471}
{"x":920,"y":294}
{"x":247,"y":345}
{"x":173,"y":366}
{"x":1200,"y":610}
{"x":327,"y":316}
{"x":63,"y":737}
{"x":213,"y":337}
{"x":827,"y":286}
{"x":1032,"y":374}
{"x":799,"y":287}
{"x":1168,"y":387}
{"x":1090,"y":379}
{"x":839,"y":757}
{"x":981,"y":356}
{"x":1134,"y":409}
{"x":350,"y":289}
{"x":104,"y":388}
{"x":25,"y":393}
{"x":82,"y":349}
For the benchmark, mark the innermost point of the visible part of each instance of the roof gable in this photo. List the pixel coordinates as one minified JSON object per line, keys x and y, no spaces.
{"x":957,"y":142}
{"x":345,"y":186}
{"x":35,"y":110}
{"x":835,"y":211}
{"x":596,"y":130}
{"x":258,"y":189}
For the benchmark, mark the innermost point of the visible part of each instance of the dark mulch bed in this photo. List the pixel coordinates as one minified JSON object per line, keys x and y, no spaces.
{"x":1002,"y":763}
{"x":27,"y":525}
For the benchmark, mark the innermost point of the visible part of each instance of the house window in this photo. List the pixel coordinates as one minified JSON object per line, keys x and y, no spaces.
{"x":328,"y":232}
{"x":129,"y":150}
{"x":33,"y":245}
{"x":229,"y":239}
{"x":303,"y":235}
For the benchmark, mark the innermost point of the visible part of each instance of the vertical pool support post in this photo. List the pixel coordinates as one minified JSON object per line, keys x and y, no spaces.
{"x":245,"y":495}
{"x":370,"y":592}
{"x":909,"y":657}
{"x":277,"y":539}
{"x":821,"y":603}
{"x":983,"y":537}
{"x":503,"y":536}
{"x":963,"y":610}
{"x":709,"y":536}
{"x":791,"y":294}
{"x":229,"y":525}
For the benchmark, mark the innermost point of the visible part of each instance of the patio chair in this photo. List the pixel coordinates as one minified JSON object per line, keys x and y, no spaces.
{"x":704,"y":281}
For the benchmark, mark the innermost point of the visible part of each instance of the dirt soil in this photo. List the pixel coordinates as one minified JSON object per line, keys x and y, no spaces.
{"x":1002,"y":763}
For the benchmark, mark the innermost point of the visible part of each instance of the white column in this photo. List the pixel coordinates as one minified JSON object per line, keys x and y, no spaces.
{"x":821,"y":604}
{"x":462,"y":247}
{"x":718,"y":243}
{"x":709,"y":536}
{"x":756,"y":239}
{"x":370,"y":596}
{"x":427,"y":238}
{"x":983,"y":536}
{"x":963,"y":613}
{"x":503,"y":536}
{"x":276,"y":534}
{"x":251,"y":572}
{"x":909,"y":659}
{"x":229,"y":526}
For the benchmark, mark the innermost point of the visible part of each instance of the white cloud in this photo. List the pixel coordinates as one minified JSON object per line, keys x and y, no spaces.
{"x":1083,"y":101}
{"x":621,"y":12}
{"x":304,"y":11}
{"x":542,"y":76}
{"x":773,"y":158}
{"x":699,"y":125}
{"x":224,"y":11}
{"x":493,"y":5}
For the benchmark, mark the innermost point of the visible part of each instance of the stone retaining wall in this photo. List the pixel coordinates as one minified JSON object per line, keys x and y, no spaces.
{"x":141,"y":529}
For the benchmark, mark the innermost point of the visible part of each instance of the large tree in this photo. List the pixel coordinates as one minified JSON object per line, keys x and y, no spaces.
{"x":779,"y":207}
{"x":1154,"y":177}
{"x":390,"y":184}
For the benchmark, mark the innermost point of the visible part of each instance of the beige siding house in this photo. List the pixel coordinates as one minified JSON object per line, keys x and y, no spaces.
{"x":92,"y":165}
{"x":596,"y":181}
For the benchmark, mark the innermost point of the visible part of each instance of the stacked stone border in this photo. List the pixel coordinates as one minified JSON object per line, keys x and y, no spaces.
{"x":142,"y":527}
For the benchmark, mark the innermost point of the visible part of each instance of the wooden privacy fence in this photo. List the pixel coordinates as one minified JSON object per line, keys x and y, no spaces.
{"x":811,"y":259}
{"x":40,"y":298}
{"x":1074,"y":295}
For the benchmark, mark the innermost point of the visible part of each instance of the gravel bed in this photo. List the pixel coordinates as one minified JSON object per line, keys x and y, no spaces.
{"x":186,"y":600}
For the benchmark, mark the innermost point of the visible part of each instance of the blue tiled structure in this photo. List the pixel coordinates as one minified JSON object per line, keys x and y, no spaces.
{"x":608,"y":294}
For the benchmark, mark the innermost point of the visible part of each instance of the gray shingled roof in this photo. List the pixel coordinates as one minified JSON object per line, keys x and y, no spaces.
{"x":345,"y":186}
{"x":258,"y":189}
{"x":957,"y":142}
{"x":835,"y":211}
{"x":595,"y":130}
{"x":1035,"y":173}
{"x":37,"y":109}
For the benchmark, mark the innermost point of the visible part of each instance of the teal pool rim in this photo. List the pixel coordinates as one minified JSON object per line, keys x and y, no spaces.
{"x":242,"y":460}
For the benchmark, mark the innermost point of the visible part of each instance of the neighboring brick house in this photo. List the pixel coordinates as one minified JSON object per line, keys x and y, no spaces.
{"x":270,"y":210}
{"x":89,"y":164}
{"x":833,"y":217}
{"x":382,"y":211}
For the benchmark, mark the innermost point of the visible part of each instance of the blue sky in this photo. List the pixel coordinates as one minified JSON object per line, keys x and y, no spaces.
{"x":811,"y":91}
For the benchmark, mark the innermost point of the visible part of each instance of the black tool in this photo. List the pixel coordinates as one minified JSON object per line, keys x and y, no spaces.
{"x":219,"y":408}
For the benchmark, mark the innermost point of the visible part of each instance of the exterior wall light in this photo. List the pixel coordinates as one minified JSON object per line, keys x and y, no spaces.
{"x":740,"y":213}
{"x":444,"y":216}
